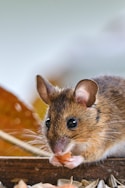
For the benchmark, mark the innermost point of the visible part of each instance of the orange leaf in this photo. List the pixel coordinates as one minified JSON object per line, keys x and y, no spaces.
{"x":15,"y":118}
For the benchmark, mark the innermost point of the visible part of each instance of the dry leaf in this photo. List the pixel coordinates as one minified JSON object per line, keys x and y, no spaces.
{"x":15,"y":117}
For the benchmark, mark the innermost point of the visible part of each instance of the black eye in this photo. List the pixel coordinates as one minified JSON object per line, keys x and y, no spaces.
{"x":72,"y":123}
{"x":47,"y":123}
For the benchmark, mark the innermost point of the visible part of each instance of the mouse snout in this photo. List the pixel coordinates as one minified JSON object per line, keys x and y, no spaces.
{"x":60,"y":145}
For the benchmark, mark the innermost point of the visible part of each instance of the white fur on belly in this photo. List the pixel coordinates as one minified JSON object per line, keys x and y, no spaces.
{"x":118,"y":150}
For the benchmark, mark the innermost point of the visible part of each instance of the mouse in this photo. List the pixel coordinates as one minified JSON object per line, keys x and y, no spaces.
{"x":87,"y":120}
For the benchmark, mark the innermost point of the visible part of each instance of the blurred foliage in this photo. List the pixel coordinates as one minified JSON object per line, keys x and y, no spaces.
{"x":15,"y":119}
{"x":40,"y":107}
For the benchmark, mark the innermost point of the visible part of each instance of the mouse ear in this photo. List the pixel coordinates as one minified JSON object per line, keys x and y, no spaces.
{"x":44,"y":88}
{"x":85,"y":92}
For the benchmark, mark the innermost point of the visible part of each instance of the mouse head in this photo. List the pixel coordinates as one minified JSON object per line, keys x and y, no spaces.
{"x":68,"y":118}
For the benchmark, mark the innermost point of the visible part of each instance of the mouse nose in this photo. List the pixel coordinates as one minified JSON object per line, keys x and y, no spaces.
{"x":60,"y":145}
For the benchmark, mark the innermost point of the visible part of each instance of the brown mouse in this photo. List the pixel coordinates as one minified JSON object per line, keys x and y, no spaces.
{"x":88,"y":120}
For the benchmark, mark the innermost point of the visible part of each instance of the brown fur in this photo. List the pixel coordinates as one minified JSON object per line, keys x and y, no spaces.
{"x":100,"y":126}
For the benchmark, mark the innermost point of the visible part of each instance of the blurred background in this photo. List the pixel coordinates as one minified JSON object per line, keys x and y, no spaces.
{"x":62,"y":40}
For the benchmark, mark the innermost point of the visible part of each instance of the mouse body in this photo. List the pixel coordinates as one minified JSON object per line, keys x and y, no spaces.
{"x":87,"y":120}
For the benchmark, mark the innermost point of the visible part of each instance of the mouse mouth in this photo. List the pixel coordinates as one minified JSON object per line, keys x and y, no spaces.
{"x":60,"y":145}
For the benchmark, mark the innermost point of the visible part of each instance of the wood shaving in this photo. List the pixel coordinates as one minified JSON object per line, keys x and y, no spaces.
{"x":112,"y":182}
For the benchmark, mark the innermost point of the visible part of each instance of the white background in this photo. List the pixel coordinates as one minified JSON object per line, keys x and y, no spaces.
{"x":43,"y":36}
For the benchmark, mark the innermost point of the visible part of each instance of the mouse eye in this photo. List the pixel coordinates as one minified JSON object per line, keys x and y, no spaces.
{"x":47,"y":123}
{"x":72,"y":123}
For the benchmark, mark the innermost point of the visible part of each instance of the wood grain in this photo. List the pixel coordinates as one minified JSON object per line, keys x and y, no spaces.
{"x":38,"y":169}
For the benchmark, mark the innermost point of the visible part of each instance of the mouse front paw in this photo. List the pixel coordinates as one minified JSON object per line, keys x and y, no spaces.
{"x":54,"y":161}
{"x":74,"y":161}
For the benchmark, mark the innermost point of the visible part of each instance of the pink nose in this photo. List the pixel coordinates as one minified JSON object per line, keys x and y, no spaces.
{"x":60,"y":145}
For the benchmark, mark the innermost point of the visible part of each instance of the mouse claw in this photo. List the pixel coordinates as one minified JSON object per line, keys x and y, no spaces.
{"x":73,"y":162}
{"x":54,"y":161}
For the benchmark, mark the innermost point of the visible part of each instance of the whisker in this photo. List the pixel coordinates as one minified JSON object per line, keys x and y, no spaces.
{"x":116,"y":121}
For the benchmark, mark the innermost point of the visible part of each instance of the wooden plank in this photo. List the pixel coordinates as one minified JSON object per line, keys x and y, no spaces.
{"x":38,"y":169}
